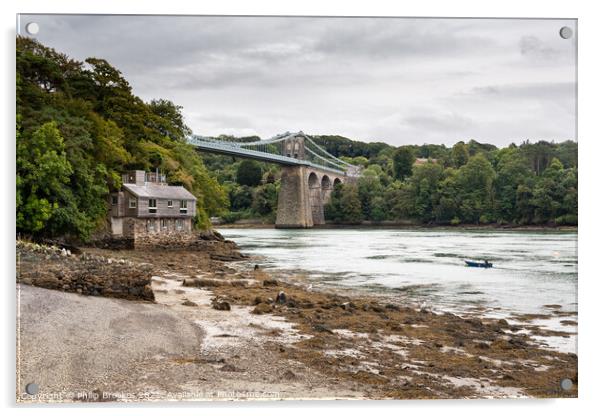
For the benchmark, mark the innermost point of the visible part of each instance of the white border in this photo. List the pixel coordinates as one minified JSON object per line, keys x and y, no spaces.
{"x":590,"y":155}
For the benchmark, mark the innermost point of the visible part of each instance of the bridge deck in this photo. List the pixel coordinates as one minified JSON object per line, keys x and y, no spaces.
{"x":237,"y":151}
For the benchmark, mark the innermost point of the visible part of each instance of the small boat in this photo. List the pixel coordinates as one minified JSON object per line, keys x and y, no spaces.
{"x":484,"y":264}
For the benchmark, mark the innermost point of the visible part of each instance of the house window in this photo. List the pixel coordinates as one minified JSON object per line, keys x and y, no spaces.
{"x":183,"y":206}
{"x":163,"y":224}
{"x":170,"y":204}
{"x":179,"y":224}
{"x":133,"y":202}
{"x":114,"y":200}
{"x":152,"y":205}
{"x":150,"y":225}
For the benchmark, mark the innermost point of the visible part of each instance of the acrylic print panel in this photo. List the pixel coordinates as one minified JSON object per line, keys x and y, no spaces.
{"x":251,"y":208}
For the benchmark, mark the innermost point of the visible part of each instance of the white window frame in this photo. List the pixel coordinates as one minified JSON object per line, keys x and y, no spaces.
{"x":179,"y":224}
{"x":169,"y":203}
{"x":114,"y":200}
{"x":183,"y":206}
{"x":133,"y":202}
{"x":152,"y":209}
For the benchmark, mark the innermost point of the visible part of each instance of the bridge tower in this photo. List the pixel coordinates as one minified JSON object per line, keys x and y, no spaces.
{"x":304,"y":190}
{"x":294,"y":201}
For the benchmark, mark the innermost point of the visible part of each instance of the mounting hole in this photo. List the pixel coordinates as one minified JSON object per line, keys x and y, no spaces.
{"x":32,"y":388}
{"x":566,"y":32}
{"x":566,"y":384}
{"x":32,"y":28}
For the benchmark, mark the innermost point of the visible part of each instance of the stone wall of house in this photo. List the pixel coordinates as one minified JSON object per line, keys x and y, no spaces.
{"x":54,"y":268}
{"x":146,"y":235}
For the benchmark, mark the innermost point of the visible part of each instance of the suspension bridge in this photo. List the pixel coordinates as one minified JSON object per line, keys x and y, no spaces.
{"x":309,"y":172}
{"x":288,"y":149}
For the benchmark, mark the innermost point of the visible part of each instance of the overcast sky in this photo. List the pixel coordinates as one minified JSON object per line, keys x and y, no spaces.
{"x":401,"y":81}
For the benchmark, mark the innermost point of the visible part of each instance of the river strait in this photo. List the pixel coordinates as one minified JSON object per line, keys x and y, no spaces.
{"x":533,"y":271}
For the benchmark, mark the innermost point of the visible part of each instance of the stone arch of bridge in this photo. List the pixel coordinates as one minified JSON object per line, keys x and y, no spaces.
{"x":326,"y":183}
{"x":313,"y":181}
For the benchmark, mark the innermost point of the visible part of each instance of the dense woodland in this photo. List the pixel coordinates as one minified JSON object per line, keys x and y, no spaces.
{"x":469,"y":183}
{"x":79,"y":126}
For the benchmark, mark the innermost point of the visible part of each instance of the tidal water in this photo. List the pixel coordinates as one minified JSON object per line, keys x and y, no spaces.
{"x":531,"y":269}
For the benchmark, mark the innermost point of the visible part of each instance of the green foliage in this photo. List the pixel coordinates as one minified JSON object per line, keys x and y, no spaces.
{"x":83,"y":124}
{"x":403,"y":160}
{"x":42,"y":177}
{"x":475,"y":188}
{"x":459,"y":154}
{"x":345,"y":206}
{"x":493,"y":185}
{"x":490,"y":185}
{"x":249,"y":173}
{"x":265,"y":199}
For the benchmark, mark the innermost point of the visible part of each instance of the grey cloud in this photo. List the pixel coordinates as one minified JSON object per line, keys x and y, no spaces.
{"x":232,"y":121}
{"x":532,"y":46}
{"x":393,"y":80}
{"x":443,"y":122}
{"x":392,"y":38}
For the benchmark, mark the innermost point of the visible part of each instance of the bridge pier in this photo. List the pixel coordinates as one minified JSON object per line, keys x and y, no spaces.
{"x":315,"y":199}
{"x":294,"y":205}
{"x":303,"y":193}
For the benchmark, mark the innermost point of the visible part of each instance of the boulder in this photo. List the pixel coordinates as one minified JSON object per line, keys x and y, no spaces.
{"x":262,"y":308}
{"x":322,"y":328}
{"x":220,"y":304}
{"x":189,"y":303}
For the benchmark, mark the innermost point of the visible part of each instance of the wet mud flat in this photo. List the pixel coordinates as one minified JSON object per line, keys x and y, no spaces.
{"x":267,"y":337}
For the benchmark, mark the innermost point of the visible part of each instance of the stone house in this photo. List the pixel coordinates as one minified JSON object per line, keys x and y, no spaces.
{"x":422,"y":160}
{"x":148,"y":210}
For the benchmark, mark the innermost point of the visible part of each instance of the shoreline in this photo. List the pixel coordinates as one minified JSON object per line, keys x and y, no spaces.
{"x":401,"y":226}
{"x":323,"y":344}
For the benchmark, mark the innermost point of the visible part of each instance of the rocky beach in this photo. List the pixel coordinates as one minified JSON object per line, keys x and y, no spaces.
{"x":205,"y":323}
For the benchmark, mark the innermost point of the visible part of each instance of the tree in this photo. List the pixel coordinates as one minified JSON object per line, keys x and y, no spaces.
{"x":350,"y":205}
{"x":378,"y":208}
{"x":169,"y":120}
{"x":512,"y":172}
{"x":525,"y":210}
{"x":265,"y":199}
{"x":459,"y":154}
{"x":344,"y":206}
{"x":400,"y":197}
{"x":424,"y":188}
{"x":403,"y":160}
{"x":475,"y":190}
{"x":333,"y":210}
{"x":241,"y":197}
{"x":248,"y":173}
{"x":446,"y":208}
{"x":549,"y":193}
{"x":42,"y":177}
{"x":368,"y":187}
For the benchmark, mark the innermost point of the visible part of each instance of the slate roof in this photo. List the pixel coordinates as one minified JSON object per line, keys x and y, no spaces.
{"x":159,"y":191}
